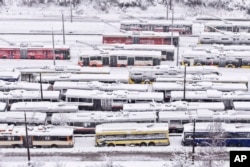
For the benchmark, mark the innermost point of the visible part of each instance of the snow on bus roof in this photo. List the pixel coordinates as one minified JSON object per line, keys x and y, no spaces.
{"x":129,"y":127}
{"x":13,"y":117}
{"x":2,"y":106}
{"x":117,"y":94}
{"x":142,"y":33}
{"x":173,"y":106}
{"x":137,"y":47}
{"x":5,"y":85}
{"x":9,"y":74}
{"x":102,"y":116}
{"x":135,"y":52}
{"x":241,"y":105}
{"x":158,"y":22}
{"x":228,"y":23}
{"x":44,"y":106}
{"x":23,"y":94}
{"x":59,"y":85}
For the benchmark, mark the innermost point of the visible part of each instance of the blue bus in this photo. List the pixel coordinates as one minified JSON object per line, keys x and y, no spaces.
{"x":216,"y":134}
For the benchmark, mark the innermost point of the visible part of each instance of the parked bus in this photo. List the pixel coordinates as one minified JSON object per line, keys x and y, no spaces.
{"x":229,"y":59}
{"x":142,"y":37}
{"x":6,"y":86}
{"x":106,"y":78}
{"x":14,"y":96}
{"x":216,"y":134}
{"x":38,"y":137}
{"x":45,"y":107}
{"x":101,"y":100}
{"x":119,"y":58}
{"x":35,"y":52}
{"x":173,"y":106}
{"x":17,"y":118}
{"x":211,"y":96}
{"x":149,"y":74}
{"x":231,"y":26}
{"x":85,"y":121}
{"x":184,"y":27}
{"x":10,"y":75}
{"x":3,"y":107}
{"x":140,"y":134}
{"x":167,"y":51}
{"x":168,"y":87}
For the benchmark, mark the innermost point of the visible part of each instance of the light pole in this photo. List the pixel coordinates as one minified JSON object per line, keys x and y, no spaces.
{"x":193,"y":145}
{"x":27,"y":138}
{"x":63,"y":28}
{"x":41,"y":87}
{"x":184,"y":84}
{"x":172,"y":25}
{"x":71,"y":11}
{"x":53,"y":45}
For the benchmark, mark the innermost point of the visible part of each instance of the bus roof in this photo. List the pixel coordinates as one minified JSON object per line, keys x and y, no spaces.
{"x":118,"y":94}
{"x":157,"y":22}
{"x":2,"y":106}
{"x":5,"y":85}
{"x":136,"y":47}
{"x":142,"y":34}
{"x":131,"y":127}
{"x":18,"y":117}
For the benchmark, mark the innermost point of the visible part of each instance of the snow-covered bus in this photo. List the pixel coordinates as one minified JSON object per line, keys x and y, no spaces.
{"x":119,"y":58}
{"x":131,"y":134}
{"x":86,"y":121}
{"x":231,"y":26}
{"x":101,"y":100}
{"x":38,"y":137}
{"x":184,"y":27}
{"x":7,"y":86}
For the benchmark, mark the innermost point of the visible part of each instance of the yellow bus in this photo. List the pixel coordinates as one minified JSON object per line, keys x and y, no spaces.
{"x":132,"y":134}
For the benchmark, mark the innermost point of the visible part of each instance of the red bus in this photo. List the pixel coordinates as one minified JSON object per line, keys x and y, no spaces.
{"x":142,"y":37}
{"x":34,"y":52}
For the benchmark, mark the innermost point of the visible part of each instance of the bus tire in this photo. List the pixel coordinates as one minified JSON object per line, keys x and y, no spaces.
{"x":16,"y":146}
{"x":230,"y":66}
{"x":32,"y":57}
{"x":143,"y":144}
{"x":198,"y":64}
{"x":57,"y":58}
{"x":111,"y":145}
{"x":93,"y":65}
{"x":54,"y":146}
{"x":122,"y":65}
{"x":151,"y":144}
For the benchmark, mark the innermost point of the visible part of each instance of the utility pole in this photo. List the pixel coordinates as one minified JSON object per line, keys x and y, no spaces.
{"x":63,"y":28}
{"x":41,"y":87}
{"x":53,"y":44}
{"x":172,"y":27}
{"x":177,"y":56}
{"x":184,"y":84}
{"x":27,"y":138}
{"x":71,"y":11}
{"x":167,"y":9}
{"x":193,"y":145}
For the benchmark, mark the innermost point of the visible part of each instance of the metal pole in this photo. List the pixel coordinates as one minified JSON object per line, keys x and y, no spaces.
{"x":177,"y":57}
{"x":167,"y":9}
{"x":71,"y":11}
{"x":53,"y":44}
{"x":63,"y":29}
{"x":193,"y":145}
{"x":27,"y":138}
{"x":41,"y":87}
{"x":172,"y":26}
{"x":184,"y":92}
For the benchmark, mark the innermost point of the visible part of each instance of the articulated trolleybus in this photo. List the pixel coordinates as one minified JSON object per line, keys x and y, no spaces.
{"x":143,"y":37}
{"x":119,"y":58}
{"x":181,"y":26}
{"x":217,"y":134}
{"x":34,"y":52}
{"x":39,"y":136}
{"x":131,"y":134}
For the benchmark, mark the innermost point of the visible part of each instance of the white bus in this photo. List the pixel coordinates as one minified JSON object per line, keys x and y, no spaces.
{"x":231,"y":26}
{"x":131,"y":134}
{"x":3,"y":106}
{"x":211,"y":96}
{"x":38,"y":137}
{"x":85,"y":122}
{"x":45,"y":107}
{"x":142,"y":74}
{"x":10,"y":75}
{"x":17,"y":118}
{"x":173,"y":106}
{"x":107,"y":78}
{"x":7,"y":86}
{"x":167,"y":87}
{"x":167,"y":51}
{"x":101,"y":100}
{"x":14,"y":96}
{"x":119,"y":58}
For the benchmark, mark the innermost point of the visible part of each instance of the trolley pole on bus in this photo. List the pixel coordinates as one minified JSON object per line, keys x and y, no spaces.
{"x":41,"y":87}
{"x":167,"y":9}
{"x":193,"y":145}
{"x":53,"y":45}
{"x":71,"y":15}
{"x":27,"y":138}
{"x":172,"y":26}
{"x":177,"y":56}
{"x":63,"y":28}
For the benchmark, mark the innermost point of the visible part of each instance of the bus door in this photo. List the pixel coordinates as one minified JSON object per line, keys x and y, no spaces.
{"x":113,"y":61}
{"x":97,"y":104}
{"x":136,"y":40}
{"x":29,"y":144}
{"x":107,"y":104}
{"x":239,"y":62}
{"x":85,"y":61}
{"x":222,"y":61}
{"x":156,"y":61}
{"x":105,"y":61}
{"x":131,"y":61}
{"x":23,"y":54}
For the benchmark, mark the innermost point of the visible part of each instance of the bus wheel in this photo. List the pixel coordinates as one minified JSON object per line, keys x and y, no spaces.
{"x":111,"y":145}
{"x":57,"y":58}
{"x":122,"y":65}
{"x":198,"y":64}
{"x":151,"y":144}
{"x":16,"y":146}
{"x":54,"y":146}
{"x":93,"y":65}
{"x":143,"y":144}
